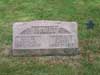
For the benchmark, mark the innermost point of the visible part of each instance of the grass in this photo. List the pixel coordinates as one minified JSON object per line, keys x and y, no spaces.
{"x":65,"y":10}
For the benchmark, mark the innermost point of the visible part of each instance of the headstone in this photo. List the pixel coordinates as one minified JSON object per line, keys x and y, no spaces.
{"x":45,"y":38}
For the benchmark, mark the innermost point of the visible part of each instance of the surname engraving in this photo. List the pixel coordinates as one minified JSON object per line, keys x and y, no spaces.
{"x":44,"y":30}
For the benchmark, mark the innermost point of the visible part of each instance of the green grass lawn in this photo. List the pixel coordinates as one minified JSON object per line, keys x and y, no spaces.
{"x":88,"y":63}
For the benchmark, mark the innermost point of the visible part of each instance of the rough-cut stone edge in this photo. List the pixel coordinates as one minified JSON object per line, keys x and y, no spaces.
{"x":46,"y":52}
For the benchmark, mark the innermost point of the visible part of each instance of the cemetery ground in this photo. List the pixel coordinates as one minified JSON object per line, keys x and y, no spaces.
{"x":87,"y":63}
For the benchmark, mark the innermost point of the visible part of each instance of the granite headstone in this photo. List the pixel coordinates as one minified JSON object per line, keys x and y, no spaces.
{"x":43,"y":37}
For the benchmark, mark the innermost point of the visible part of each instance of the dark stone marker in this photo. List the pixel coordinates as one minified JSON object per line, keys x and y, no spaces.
{"x":90,"y":24}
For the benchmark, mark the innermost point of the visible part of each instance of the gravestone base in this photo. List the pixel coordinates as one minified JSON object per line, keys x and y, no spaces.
{"x":46,"y":52}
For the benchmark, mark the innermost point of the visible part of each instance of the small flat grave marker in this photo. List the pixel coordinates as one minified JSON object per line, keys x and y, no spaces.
{"x":45,"y":38}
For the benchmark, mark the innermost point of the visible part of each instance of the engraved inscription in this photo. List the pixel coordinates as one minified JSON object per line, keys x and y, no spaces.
{"x":44,"y":30}
{"x":62,"y":41}
{"x":27,"y":41}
